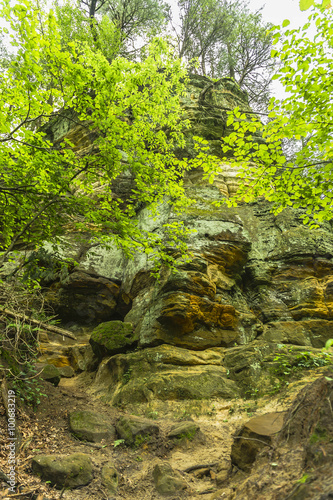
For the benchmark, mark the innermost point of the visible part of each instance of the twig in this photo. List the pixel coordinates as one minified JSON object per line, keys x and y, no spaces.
{"x":253,"y":439}
{"x":25,"y":493}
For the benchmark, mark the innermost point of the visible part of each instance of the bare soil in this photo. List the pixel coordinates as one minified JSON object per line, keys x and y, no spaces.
{"x":274,"y":476}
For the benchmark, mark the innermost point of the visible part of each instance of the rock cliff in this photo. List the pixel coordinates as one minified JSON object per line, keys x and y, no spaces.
{"x":246,"y":317}
{"x":256,"y":283}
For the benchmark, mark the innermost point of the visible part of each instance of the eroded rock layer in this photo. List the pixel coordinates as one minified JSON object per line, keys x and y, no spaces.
{"x":256,"y":282}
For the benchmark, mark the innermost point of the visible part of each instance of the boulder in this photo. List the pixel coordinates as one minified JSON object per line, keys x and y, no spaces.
{"x":66,"y":371}
{"x":64,"y":471}
{"x":255,"y":435}
{"x":163,"y":372}
{"x":112,"y":337}
{"x":90,"y":426}
{"x":135,"y":430}
{"x":110,"y":478}
{"x":51,"y":374}
{"x":183,"y":430}
{"x":167,"y":481}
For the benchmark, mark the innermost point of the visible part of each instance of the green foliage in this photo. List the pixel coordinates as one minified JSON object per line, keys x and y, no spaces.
{"x":288,"y":364}
{"x":137,"y":21}
{"x":75,"y":26}
{"x":329,"y":344}
{"x":127,"y":376}
{"x":43,"y":267}
{"x":131,"y":110}
{"x":305,"y":180}
{"x":30,"y":391}
{"x":141,"y":440}
{"x":118,"y":442}
{"x":306,"y":4}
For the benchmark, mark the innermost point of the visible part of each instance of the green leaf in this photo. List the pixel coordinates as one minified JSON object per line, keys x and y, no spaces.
{"x":305,"y":4}
{"x":285,"y":23}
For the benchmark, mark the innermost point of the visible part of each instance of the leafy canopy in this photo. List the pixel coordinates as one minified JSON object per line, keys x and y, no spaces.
{"x":306,"y":4}
{"x":305,"y":179}
{"x":131,"y":113}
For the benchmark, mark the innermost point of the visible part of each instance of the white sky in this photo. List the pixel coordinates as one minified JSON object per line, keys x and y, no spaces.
{"x":275,"y":11}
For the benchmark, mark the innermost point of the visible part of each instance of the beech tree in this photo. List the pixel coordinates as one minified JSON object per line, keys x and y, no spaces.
{"x":306,"y":178}
{"x":133,"y":111}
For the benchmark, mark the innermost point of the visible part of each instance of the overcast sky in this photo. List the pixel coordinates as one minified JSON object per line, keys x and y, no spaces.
{"x":275,"y":11}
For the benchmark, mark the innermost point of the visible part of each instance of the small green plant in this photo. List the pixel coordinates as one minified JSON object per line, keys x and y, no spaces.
{"x":184,"y":415}
{"x":289,"y":364}
{"x":303,"y":479}
{"x":329,"y":344}
{"x":140,"y":440}
{"x":127,"y":376}
{"x":187,"y":436}
{"x":152,"y":414}
{"x":118,"y":442}
{"x":211,"y":411}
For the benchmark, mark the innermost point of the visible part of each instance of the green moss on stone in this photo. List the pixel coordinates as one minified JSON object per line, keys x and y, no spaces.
{"x":112,"y":337}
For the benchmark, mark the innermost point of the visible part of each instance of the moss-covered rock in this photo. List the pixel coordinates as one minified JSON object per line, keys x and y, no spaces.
{"x":167,"y":481}
{"x":135,"y":430}
{"x":51,"y":374}
{"x":110,"y":478}
{"x":111,"y":338}
{"x":186,"y":430}
{"x":62,"y":471}
{"x":163,"y":372}
{"x":90,"y":426}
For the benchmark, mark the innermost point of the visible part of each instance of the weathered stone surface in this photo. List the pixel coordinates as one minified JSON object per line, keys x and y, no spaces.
{"x":64,"y":471}
{"x":183,"y":430}
{"x":163,"y":372}
{"x":256,"y":434}
{"x":83,"y":358}
{"x":111,"y":338}
{"x":255,"y":280}
{"x":131,"y":429}
{"x":84,"y":298}
{"x":51,"y":374}
{"x":90,"y":426}
{"x":167,"y":481}
{"x":110,"y":478}
{"x":66,"y":371}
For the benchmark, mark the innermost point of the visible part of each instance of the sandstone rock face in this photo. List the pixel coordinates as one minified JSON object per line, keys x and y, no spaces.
{"x":164,"y":372}
{"x":84,"y":298}
{"x":212,"y":327}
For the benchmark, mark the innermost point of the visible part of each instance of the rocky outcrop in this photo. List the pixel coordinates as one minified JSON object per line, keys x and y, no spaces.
{"x":212,"y":326}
